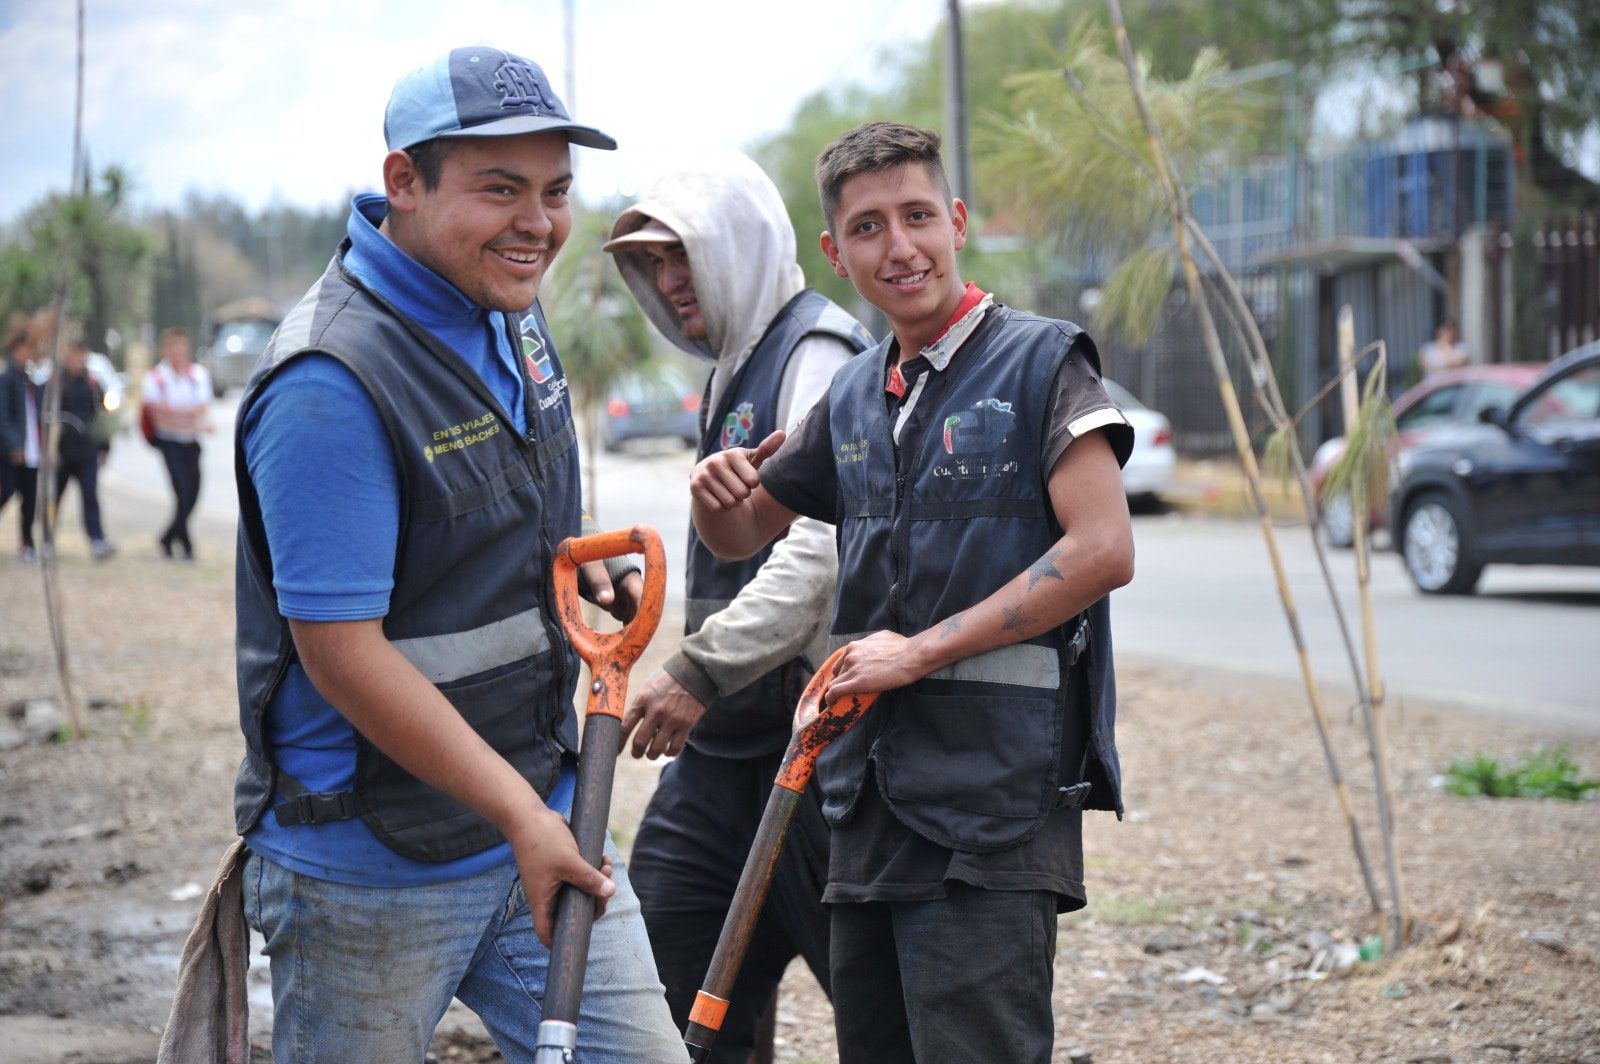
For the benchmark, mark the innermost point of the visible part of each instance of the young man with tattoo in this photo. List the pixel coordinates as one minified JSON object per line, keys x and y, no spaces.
{"x":970,"y":465}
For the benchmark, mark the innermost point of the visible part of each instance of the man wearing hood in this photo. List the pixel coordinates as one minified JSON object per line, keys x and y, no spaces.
{"x":709,"y":254}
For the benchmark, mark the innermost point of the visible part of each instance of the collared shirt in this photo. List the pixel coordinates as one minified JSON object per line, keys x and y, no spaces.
{"x":905,"y":382}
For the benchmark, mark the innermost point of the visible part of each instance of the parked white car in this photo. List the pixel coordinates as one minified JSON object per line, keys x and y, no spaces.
{"x":1149,"y":469}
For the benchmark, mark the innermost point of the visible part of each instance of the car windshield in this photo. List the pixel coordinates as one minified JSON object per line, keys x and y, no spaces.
{"x":1432,"y":408}
{"x":1574,"y":397}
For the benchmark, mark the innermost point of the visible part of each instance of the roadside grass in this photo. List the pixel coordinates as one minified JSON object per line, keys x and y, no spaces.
{"x":1122,"y":910}
{"x":1548,"y":772}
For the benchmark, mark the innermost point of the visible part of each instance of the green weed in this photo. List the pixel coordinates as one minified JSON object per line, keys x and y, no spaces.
{"x":1545,"y":773}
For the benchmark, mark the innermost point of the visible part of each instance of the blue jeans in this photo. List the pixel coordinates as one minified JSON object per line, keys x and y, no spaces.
{"x":363,"y":974}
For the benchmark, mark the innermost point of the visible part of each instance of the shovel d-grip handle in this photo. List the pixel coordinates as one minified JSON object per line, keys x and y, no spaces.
{"x":818,"y":725}
{"x":609,"y":655}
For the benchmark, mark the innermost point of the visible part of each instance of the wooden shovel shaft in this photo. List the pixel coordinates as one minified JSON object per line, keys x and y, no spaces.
{"x":711,"y":1004}
{"x":591,"y":806}
{"x":819,"y":726}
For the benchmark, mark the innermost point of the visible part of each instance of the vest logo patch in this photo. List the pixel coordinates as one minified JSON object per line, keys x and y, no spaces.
{"x":534,"y":353}
{"x":460,"y":437}
{"x":980,"y":430}
{"x":737,"y":426}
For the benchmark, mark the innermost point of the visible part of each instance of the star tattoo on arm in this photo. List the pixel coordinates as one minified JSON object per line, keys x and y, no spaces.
{"x":1045,"y":569}
{"x":951,"y":626}
{"x":1016,"y":619}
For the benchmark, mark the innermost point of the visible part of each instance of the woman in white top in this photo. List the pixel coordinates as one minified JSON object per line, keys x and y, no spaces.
{"x":177,"y":392}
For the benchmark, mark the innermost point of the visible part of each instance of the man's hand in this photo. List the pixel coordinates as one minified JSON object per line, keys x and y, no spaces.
{"x":880,"y":662}
{"x":622,"y":606}
{"x":663,"y":713}
{"x":547,"y":856}
{"x":725,"y":479}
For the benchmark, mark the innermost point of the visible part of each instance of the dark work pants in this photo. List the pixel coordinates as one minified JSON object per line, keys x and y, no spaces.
{"x":87,"y":474}
{"x":685,"y":867}
{"x":183,"y":467}
{"x":965,"y":978}
{"x":23,"y":482}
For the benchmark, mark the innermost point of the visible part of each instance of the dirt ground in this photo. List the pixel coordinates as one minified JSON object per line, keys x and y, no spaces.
{"x":1215,"y":904}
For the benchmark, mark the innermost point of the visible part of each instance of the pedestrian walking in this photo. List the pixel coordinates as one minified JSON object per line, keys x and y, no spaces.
{"x":21,"y":429}
{"x":177,"y":392}
{"x":83,"y":445}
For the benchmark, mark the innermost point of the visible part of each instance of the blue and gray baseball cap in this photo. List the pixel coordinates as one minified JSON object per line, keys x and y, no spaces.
{"x":479,"y":92}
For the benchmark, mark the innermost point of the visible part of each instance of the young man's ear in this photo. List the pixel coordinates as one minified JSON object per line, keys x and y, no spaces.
{"x":831,"y":249}
{"x":958,"y":222}
{"x":402,"y":182}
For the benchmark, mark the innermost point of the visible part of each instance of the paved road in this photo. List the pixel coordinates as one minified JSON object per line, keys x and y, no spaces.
{"x":1526,"y":646}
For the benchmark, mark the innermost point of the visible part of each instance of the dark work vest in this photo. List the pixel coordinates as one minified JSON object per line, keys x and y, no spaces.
{"x":481,"y":510}
{"x":973,"y":756}
{"x":755,"y":719}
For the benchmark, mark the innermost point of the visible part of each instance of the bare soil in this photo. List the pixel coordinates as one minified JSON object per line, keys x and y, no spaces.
{"x":1212,"y":903}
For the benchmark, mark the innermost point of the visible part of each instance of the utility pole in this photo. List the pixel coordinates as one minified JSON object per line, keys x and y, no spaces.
{"x":955,"y":105}
{"x":570,"y":98}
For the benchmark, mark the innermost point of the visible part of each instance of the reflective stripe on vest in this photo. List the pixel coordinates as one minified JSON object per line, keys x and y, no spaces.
{"x":457,"y":655}
{"x":1020,"y":664}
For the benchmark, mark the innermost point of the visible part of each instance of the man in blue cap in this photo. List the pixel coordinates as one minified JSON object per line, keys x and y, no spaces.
{"x":406,"y":465}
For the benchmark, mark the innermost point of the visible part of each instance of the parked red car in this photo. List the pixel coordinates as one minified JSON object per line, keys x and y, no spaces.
{"x":1453,"y":397}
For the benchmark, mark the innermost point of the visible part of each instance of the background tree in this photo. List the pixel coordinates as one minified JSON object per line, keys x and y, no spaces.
{"x":103,"y":248}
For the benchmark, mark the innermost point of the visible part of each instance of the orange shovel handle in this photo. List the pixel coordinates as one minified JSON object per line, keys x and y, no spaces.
{"x":612,"y":654}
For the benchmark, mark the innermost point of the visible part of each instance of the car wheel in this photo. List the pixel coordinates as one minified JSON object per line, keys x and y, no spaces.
{"x":1437,"y":547}
{"x":1338,"y":520}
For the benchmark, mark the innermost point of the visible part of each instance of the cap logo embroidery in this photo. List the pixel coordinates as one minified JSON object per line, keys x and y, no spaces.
{"x":518,"y":85}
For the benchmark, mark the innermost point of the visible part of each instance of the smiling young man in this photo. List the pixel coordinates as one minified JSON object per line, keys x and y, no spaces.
{"x":709,"y":253}
{"x":406,"y":466}
{"x":970,"y":464}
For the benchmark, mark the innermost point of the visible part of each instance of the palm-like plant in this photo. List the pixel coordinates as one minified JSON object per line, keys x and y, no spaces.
{"x":599,"y":330}
{"x":1101,"y":150}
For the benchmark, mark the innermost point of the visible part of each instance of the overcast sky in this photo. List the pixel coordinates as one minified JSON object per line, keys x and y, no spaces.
{"x":284,"y":100}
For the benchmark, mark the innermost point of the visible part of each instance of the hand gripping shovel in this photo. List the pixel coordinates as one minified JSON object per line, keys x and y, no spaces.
{"x":819,"y":727}
{"x":610,"y":657}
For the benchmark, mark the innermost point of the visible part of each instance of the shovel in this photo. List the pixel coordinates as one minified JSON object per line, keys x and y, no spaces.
{"x":609,"y":657}
{"x":816,"y":728}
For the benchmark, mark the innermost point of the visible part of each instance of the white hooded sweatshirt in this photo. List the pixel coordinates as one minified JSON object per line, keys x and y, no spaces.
{"x":741,"y":248}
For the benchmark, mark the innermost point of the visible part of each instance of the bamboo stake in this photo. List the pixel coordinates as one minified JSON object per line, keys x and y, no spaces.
{"x":1377,"y":736}
{"x":1241,"y":440}
{"x":52,"y":434}
{"x":1264,"y":381}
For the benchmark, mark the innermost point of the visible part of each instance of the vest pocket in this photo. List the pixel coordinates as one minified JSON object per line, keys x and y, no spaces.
{"x":505,"y":707}
{"x":972,"y":772}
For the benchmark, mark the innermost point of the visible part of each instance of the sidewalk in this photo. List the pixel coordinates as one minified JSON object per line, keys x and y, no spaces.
{"x":1217,"y":486}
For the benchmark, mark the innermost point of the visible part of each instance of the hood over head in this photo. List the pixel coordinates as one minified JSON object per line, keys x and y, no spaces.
{"x":741,"y":247}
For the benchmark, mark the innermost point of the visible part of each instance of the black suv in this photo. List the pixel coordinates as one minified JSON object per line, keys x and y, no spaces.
{"x":1522,"y":486}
